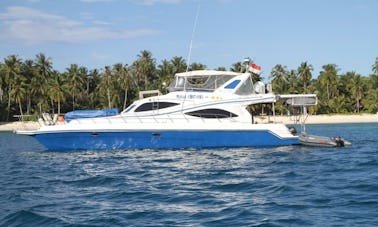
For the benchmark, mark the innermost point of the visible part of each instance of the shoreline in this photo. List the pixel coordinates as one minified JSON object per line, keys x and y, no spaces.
{"x":19,"y":125}
{"x":312,"y":119}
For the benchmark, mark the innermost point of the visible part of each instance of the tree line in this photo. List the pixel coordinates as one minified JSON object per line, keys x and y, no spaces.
{"x":30,"y":87}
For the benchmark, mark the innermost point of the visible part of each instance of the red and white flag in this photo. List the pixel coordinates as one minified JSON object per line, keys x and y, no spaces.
{"x":254,"y":68}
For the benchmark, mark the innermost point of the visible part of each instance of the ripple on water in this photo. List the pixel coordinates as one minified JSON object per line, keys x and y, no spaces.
{"x":285,"y":186}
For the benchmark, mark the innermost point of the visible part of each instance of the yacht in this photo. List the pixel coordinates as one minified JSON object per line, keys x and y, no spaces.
{"x":202,"y":109}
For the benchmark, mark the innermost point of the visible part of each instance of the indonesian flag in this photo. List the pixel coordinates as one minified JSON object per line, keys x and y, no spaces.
{"x":252,"y":67}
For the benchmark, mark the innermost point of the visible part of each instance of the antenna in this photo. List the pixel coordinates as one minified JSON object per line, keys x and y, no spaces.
{"x":191,"y":41}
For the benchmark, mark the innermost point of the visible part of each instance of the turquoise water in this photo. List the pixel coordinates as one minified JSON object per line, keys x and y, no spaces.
{"x":283,"y":186}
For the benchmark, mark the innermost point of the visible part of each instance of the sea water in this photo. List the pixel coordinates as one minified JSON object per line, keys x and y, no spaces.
{"x":283,"y":186}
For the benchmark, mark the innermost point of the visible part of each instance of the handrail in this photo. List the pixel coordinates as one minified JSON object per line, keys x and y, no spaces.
{"x":155,"y":119}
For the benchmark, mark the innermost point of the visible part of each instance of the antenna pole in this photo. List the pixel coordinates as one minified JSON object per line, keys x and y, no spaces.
{"x":191,"y":41}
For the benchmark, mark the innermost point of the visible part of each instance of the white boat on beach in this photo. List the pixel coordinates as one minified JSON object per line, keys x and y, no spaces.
{"x":203,"y":109}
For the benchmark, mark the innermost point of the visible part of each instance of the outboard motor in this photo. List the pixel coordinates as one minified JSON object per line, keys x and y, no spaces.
{"x":339,"y":142}
{"x":292,"y":130}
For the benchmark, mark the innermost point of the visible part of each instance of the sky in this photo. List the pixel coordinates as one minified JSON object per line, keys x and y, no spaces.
{"x":99,"y":33}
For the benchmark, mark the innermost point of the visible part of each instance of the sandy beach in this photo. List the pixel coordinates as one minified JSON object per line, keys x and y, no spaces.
{"x":311,"y":119}
{"x":18,"y":125}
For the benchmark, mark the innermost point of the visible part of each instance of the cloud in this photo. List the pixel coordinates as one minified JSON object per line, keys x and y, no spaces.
{"x":101,"y":22}
{"x":154,"y":2}
{"x":94,"y":1}
{"x":33,"y":26}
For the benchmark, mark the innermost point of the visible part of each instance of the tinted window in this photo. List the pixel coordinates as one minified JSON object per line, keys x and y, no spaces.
{"x":129,"y":108}
{"x":233,"y":84}
{"x":212,"y":113}
{"x":154,"y":106}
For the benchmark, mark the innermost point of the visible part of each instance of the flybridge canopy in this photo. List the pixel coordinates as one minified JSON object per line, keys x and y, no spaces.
{"x":201,"y":80}
{"x":206,"y":73}
{"x":300,"y":99}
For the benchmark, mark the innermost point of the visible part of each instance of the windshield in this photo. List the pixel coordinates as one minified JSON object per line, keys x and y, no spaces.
{"x":198,"y":82}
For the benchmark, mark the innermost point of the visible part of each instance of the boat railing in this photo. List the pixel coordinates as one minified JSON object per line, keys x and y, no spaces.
{"x":153,"y":119}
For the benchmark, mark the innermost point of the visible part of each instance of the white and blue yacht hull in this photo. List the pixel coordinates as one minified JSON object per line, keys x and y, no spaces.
{"x":204,"y":109}
{"x":161,"y":139}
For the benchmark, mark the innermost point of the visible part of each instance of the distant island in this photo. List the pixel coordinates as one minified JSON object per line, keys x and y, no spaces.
{"x":30,"y":87}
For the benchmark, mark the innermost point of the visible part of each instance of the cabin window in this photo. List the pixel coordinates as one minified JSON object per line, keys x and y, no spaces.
{"x":129,"y":108}
{"x":154,"y":106}
{"x":212,"y":113}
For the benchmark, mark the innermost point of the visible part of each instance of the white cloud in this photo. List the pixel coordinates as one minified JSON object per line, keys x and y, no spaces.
{"x":34,"y":26}
{"x":20,"y":12}
{"x":94,"y":1}
{"x":101,"y":22}
{"x":154,"y":2}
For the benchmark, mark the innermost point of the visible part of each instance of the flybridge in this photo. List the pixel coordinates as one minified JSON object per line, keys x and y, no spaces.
{"x":201,"y":80}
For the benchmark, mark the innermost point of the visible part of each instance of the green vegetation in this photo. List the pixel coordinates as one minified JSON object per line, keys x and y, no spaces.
{"x":31,"y":87}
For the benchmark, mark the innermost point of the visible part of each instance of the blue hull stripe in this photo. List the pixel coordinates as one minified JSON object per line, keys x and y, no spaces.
{"x":160,"y":140}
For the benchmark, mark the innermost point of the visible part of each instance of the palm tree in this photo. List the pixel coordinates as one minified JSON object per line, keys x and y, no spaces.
{"x":83,"y":74}
{"x":38,"y":92}
{"x":165,"y":73}
{"x":197,"y":66}
{"x":105,"y":86}
{"x":292,"y":80}
{"x":178,"y":65}
{"x":44,"y":66}
{"x":28,"y":72}
{"x":11,"y":71}
{"x":237,"y":67}
{"x":122,"y":79}
{"x":75,"y":82}
{"x":39,"y":83}
{"x":338,"y":104}
{"x":328,"y":79}
{"x":145,"y":68}
{"x":1,"y":83}
{"x":357,"y":89}
{"x":18,"y":93}
{"x":56,"y":90}
{"x":374,"y":77}
{"x":93,"y":79}
{"x":370,"y":101}
{"x":279,"y":77}
{"x":304,"y":74}
{"x":375,"y":67}
{"x":165,"y":68}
